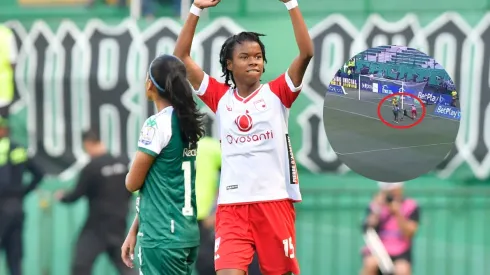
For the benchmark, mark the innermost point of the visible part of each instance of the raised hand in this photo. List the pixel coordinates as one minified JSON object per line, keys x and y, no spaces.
{"x":202,"y":4}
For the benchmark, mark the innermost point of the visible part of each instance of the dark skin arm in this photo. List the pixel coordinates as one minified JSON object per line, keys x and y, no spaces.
{"x":127,"y":249}
{"x":183,"y":45}
{"x":138,"y":171}
{"x":297,"y":69}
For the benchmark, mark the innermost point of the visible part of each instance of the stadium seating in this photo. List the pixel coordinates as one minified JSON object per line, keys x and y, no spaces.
{"x":398,"y":61}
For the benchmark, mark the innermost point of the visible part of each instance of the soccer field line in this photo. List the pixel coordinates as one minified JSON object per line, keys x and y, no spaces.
{"x":388,"y":106}
{"x":395,"y":148}
{"x":354,"y":113}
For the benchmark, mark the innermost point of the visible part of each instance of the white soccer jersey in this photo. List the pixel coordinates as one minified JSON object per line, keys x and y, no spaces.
{"x":156,"y":133}
{"x":257,"y":159}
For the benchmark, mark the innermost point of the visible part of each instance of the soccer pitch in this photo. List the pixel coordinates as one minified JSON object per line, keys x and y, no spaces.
{"x":373,"y":149}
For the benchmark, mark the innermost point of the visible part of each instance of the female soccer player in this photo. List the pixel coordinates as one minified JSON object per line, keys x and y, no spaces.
{"x":259,"y":180}
{"x":163,"y":172}
{"x":394,"y":101}
{"x":414,"y":112}
{"x":396,"y":112}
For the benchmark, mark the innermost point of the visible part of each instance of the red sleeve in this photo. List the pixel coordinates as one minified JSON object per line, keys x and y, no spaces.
{"x":211,"y":91}
{"x":284,"y":88}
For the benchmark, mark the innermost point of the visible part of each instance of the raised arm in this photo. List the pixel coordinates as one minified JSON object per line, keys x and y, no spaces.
{"x":184,"y":42}
{"x":305,"y":45}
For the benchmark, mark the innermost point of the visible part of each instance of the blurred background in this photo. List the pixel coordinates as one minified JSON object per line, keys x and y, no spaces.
{"x":82,"y":63}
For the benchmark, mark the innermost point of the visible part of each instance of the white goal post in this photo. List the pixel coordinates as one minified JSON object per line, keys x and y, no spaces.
{"x":378,"y":84}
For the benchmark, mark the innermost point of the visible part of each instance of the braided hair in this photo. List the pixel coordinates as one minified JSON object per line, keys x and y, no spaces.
{"x":226,"y":52}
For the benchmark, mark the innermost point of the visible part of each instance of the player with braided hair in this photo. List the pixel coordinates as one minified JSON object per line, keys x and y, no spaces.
{"x":259,"y":180}
{"x":229,"y":45}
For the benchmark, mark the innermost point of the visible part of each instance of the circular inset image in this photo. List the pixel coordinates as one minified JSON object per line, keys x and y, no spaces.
{"x":391,"y":113}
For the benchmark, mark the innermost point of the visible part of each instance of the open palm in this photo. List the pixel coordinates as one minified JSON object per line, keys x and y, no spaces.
{"x":202,"y":4}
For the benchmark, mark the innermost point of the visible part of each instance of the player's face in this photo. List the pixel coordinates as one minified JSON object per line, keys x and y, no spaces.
{"x":247,"y":63}
{"x":397,"y":192}
{"x":89,"y":147}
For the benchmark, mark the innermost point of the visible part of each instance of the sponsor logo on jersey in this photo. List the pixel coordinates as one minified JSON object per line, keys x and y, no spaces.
{"x":250,"y":138}
{"x":232,"y":187}
{"x":244,"y":122}
{"x":189,"y":152}
{"x":138,"y":201}
{"x":293,"y":170}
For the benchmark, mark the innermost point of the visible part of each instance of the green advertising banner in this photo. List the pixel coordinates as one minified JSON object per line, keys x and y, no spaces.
{"x":72,"y":76}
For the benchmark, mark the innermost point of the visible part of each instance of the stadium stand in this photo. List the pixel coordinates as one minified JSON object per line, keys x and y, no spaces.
{"x":397,"y":62}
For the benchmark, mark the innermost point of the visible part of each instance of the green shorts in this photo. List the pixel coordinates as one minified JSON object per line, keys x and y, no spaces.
{"x":174,"y":261}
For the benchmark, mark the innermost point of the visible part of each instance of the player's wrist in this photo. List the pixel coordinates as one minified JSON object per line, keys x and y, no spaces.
{"x":196,"y":10}
{"x":291,"y":4}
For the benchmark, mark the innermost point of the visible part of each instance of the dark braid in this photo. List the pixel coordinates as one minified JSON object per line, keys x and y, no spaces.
{"x":226,"y":52}
{"x":169,"y":76}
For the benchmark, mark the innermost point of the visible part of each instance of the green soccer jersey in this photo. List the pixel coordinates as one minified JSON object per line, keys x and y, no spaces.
{"x":167,"y":201}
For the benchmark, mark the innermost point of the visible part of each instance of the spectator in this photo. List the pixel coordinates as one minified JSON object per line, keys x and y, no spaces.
{"x":8,"y":58}
{"x":120,"y":3}
{"x":13,"y":163}
{"x":149,"y":7}
{"x":454,"y":98}
{"x":396,"y":220}
{"x":102,"y":181}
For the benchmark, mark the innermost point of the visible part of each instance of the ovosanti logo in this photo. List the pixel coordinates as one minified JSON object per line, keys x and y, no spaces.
{"x":244,"y":122}
{"x":250,"y":138}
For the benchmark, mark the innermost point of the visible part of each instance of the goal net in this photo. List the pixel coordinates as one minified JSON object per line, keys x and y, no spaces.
{"x":372,"y":88}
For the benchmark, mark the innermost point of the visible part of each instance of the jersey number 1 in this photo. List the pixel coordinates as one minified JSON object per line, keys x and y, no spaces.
{"x":187,"y":210}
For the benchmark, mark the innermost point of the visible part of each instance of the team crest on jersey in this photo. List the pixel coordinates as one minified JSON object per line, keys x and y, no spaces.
{"x":244,"y":122}
{"x":147,"y":134}
{"x":260,"y":105}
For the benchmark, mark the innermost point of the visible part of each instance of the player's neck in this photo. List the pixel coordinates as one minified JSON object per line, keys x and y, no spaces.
{"x":244,"y":90}
{"x":162,"y":104}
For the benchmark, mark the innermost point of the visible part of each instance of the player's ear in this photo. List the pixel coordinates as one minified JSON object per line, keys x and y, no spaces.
{"x":148,"y":86}
{"x":229,"y":65}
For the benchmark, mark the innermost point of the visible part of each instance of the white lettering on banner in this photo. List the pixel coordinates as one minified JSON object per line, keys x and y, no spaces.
{"x":92,"y":77}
